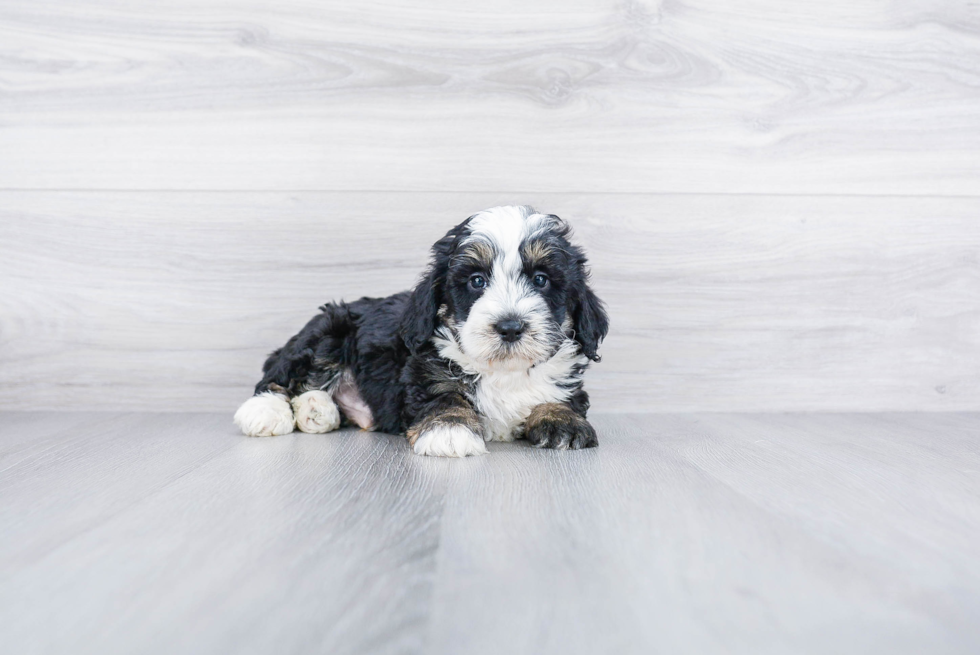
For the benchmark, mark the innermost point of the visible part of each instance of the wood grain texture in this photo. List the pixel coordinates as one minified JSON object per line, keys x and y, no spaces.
{"x":176,"y":535}
{"x":170,"y":301}
{"x":690,"y":533}
{"x":719,"y":533}
{"x":593,"y":95}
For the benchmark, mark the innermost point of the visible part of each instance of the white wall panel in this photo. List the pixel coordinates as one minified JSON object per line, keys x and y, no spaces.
{"x":693,"y":97}
{"x":170,"y":301}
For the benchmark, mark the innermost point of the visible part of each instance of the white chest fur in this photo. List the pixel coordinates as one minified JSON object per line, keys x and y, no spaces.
{"x":506,"y":392}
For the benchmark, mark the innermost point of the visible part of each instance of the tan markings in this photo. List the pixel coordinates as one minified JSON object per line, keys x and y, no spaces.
{"x":480,"y":253}
{"x":454,"y":415}
{"x":535,"y":253}
{"x":551,"y":413}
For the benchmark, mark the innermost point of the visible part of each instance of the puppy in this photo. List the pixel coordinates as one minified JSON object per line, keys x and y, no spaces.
{"x":491,"y":345}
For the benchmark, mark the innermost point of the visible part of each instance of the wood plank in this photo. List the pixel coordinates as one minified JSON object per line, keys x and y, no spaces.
{"x":170,"y":301}
{"x":22,"y":431}
{"x":715,"y":534}
{"x":197,"y":539}
{"x":91,"y":451}
{"x":808,"y":533}
{"x":595,"y":95}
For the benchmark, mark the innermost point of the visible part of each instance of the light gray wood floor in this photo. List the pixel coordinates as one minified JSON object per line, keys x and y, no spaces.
{"x":696,"y":533}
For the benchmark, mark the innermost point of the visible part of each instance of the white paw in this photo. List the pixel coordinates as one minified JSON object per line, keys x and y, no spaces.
{"x":265,"y":415}
{"x":316,"y":412}
{"x":449,"y":440}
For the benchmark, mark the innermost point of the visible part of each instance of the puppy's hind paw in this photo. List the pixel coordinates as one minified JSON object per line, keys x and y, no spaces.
{"x":265,"y":415}
{"x":316,"y":412}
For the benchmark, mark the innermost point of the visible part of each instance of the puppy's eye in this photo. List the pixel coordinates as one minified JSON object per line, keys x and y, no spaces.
{"x":540,"y":280}
{"x":477,"y":281}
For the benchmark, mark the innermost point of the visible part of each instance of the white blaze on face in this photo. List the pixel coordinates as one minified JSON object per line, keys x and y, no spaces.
{"x":543,"y":365}
{"x":508,"y":293}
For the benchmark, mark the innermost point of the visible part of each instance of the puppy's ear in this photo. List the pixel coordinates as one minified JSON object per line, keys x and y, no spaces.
{"x":589,"y":318}
{"x":418,"y":323}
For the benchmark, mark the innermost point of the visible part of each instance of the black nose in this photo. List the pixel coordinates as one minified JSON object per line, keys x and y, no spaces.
{"x":509,"y":329}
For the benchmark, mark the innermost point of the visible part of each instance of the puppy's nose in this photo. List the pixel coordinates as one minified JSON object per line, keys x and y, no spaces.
{"x":509,"y":329}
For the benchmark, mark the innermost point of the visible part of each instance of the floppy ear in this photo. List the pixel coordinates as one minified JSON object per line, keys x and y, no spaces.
{"x":418,"y":323}
{"x":589,"y":319}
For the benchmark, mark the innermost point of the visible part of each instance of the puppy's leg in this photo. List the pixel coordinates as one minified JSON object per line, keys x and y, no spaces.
{"x":447,"y":427}
{"x":316,"y":412}
{"x":557,"y":425}
{"x":309,"y":359}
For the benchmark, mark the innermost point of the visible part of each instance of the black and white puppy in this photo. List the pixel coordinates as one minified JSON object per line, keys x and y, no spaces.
{"x":491,"y":345}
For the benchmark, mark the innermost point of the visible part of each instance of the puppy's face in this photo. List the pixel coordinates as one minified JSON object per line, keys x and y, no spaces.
{"x":510,"y":288}
{"x":507,"y":287}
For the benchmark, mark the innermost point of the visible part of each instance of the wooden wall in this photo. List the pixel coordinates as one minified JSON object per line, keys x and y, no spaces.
{"x":781,"y":199}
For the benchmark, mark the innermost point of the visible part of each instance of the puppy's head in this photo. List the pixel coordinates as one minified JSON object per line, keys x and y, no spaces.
{"x":509,"y":287}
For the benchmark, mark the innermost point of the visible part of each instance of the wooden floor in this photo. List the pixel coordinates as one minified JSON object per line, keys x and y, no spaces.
{"x":685,"y":533}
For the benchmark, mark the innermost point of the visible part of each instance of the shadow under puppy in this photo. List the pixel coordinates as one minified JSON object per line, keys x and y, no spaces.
{"x":491,"y":345}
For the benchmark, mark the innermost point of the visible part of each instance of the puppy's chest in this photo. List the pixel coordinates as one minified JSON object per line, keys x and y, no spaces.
{"x":504,"y":397}
{"x":504,"y":400}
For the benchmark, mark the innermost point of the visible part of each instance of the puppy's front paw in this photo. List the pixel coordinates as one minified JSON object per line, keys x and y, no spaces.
{"x":316,"y":412}
{"x":449,"y":440}
{"x":265,"y":415}
{"x":557,"y":426}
